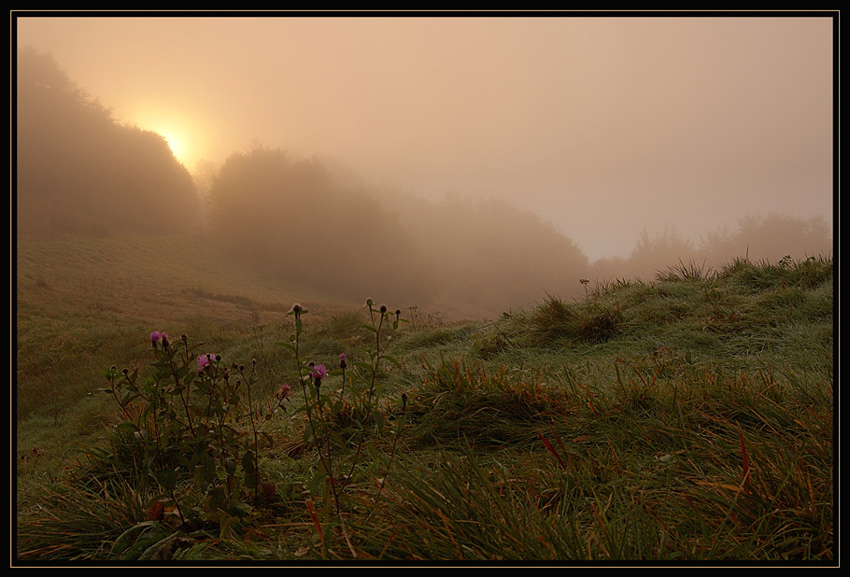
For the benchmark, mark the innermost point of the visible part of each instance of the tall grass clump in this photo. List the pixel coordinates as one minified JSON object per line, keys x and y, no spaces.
{"x":807,"y":273}
{"x":555,"y":320}
{"x":689,"y":271}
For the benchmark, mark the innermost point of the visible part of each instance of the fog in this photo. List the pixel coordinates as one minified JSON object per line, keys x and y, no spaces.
{"x":607,"y":127}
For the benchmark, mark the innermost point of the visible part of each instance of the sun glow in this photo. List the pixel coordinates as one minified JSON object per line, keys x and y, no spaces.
{"x":177,"y":145}
{"x":179,"y":131}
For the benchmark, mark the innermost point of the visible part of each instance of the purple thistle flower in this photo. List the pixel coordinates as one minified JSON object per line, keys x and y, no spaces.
{"x":318,"y":372}
{"x":283,"y":392}
{"x":203,"y":361}
{"x":158,"y":337}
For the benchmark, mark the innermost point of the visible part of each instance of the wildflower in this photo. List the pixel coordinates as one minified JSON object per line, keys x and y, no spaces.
{"x":204,"y":361}
{"x":342,"y":363}
{"x":297,"y":309}
{"x":158,"y":337}
{"x":318,"y":372}
{"x":283,"y":392}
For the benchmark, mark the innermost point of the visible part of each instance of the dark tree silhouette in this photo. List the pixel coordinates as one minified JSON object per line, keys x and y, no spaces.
{"x":80,"y":172}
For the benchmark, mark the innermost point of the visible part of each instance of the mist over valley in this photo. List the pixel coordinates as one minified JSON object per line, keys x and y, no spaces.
{"x":318,"y":219}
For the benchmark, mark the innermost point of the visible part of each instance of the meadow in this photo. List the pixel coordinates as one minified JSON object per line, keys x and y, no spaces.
{"x":685,"y":419}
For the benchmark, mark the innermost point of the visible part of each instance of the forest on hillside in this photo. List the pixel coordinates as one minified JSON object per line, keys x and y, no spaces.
{"x":79,"y":171}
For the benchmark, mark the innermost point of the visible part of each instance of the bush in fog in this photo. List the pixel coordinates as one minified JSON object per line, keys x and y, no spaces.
{"x":496,"y":256}
{"x":296,"y":219}
{"x":80,"y":172}
{"x":771,"y":238}
{"x":757,"y":238}
{"x":291,"y":219}
{"x":651,"y":254}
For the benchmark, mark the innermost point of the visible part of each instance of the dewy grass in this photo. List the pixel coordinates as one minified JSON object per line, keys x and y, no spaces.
{"x":689,"y":420}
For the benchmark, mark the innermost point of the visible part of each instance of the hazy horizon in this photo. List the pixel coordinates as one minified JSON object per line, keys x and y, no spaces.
{"x":606,"y":127}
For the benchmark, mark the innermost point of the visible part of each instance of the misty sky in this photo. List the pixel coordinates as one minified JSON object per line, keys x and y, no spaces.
{"x":605,"y":126}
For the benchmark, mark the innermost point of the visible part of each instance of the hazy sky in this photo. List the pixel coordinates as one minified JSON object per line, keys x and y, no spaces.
{"x":606,"y":126}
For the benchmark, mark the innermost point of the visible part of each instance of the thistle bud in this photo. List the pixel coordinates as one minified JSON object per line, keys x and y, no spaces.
{"x":283,"y":392}
{"x":318,"y":372}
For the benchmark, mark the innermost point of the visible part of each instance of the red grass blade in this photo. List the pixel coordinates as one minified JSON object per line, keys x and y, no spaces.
{"x":551,"y":449}
{"x":746,"y":476}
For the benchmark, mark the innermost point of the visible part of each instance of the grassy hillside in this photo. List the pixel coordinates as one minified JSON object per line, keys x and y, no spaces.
{"x":76,"y":297}
{"x":680,"y":420}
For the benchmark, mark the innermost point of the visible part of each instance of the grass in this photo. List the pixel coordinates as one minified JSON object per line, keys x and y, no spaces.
{"x":689,"y":419}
